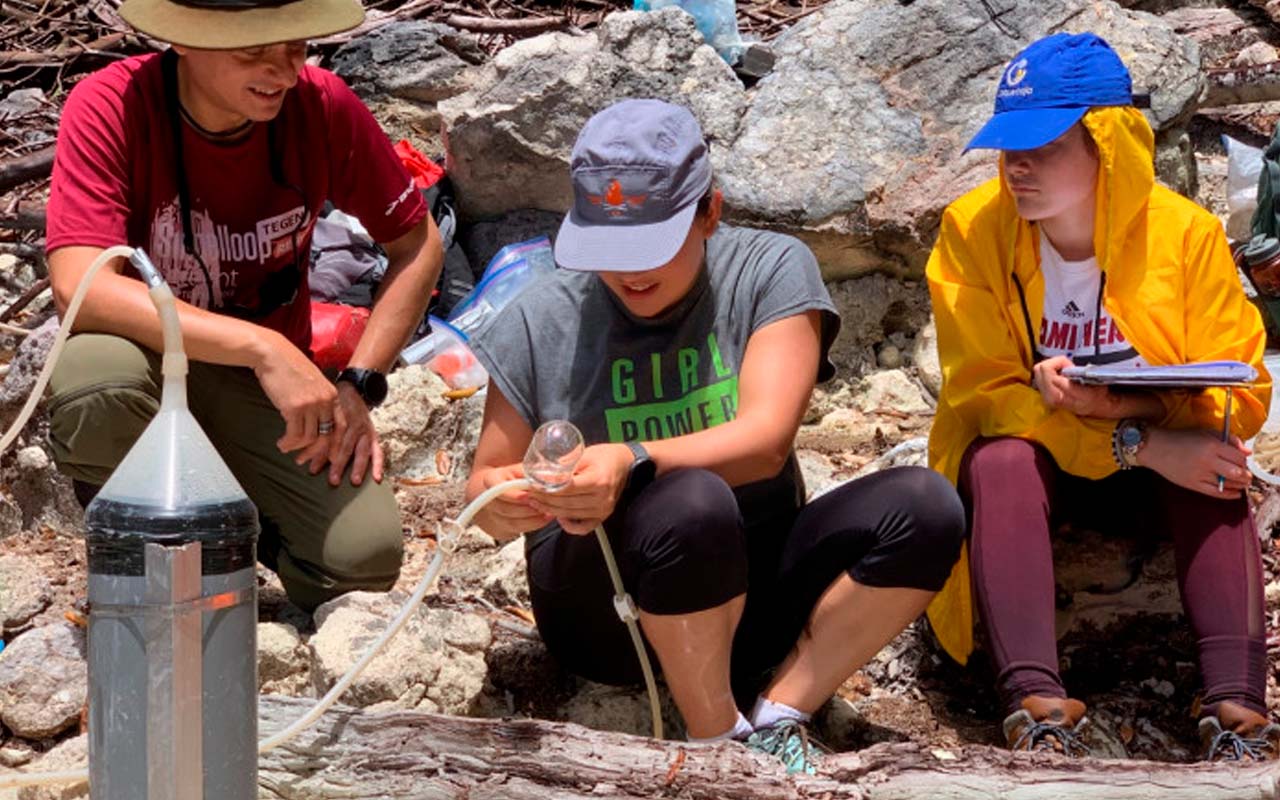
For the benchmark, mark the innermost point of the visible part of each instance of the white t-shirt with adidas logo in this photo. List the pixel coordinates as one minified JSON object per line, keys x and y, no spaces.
{"x":1075,"y":324}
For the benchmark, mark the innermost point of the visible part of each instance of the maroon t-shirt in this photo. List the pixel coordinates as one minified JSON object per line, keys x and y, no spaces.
{"x":114,"y":183}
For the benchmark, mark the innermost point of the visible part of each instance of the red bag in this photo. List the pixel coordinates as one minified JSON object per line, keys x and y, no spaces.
{"x":335,"y":332}
{"x":425,"y":172}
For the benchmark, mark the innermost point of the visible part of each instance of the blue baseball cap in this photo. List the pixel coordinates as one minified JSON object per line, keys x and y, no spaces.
{"x":638,"y":170}
{"x":1049,"y":86}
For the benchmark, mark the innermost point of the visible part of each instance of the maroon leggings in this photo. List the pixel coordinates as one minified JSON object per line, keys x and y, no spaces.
{"x":1012,"y":489}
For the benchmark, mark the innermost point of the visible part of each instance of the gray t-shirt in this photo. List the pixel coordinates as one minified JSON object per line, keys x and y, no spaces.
{"x":567,"y":348}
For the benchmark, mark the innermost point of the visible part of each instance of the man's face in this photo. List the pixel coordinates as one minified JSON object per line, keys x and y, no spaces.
{"x":1055,"y":178}
{"x":649,"y":293}
{"x":249,"y":83}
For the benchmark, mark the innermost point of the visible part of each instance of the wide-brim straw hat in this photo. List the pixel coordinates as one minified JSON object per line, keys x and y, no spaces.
{"x":230,"y":24}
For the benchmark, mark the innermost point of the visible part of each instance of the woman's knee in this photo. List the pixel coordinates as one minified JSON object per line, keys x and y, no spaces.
{"x":1005,"y":455}
{"x":919,"y":540}
{"x":685,"y":543}
{"x":690,"y":512}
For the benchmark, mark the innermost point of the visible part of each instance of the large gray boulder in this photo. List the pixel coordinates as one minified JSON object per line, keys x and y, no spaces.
{"x":508,"y":138}
{"x":423,"y":433}
{"x":854,"y":142}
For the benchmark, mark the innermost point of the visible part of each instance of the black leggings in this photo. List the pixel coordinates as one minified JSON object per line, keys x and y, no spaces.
{"x":682,"y":547}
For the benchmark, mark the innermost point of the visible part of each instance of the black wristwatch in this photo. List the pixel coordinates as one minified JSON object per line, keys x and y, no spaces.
{"x":371,"y":384}
{"x":641,"y":473}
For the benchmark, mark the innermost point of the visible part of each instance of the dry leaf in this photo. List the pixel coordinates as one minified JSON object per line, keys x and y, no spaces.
{"x":444,"y":464}
{"x":460,"y":394}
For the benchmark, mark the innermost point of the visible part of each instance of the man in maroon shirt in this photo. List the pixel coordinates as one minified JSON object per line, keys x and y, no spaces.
{"x":216,"y":157}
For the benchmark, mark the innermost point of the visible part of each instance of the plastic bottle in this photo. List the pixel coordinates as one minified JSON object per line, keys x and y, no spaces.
{"x":1262,"y":259}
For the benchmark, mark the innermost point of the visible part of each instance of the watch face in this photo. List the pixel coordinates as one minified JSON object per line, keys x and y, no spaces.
{"x":1131,"y":436}
{"x":374,"y":388}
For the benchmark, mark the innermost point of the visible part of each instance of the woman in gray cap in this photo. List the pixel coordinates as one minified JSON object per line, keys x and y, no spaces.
{"x":215,"y":157}
{"x":686,"y":351}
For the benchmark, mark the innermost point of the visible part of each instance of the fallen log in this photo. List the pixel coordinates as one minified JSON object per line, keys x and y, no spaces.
{"x":1258,"y":83}
{"x":17,"y":171}
{"x":353,"y":754}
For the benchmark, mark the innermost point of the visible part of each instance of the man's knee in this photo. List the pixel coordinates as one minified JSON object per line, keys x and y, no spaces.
{"x":102,"y":395}
{"x":361,"y":550}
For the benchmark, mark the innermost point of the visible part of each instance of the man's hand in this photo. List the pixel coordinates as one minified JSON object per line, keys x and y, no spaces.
{"x":302,"y":394}
{"x":1059,"y":391}
{"x":510,"y":514}
{"x":354,"y":439}
{"x":590,"y":497}
{"x":1194,"y":459}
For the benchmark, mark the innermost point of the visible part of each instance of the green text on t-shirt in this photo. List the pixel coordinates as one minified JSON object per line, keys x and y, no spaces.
{"x":696,"y":408}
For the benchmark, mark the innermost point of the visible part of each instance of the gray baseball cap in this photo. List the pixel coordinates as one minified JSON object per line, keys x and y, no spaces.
{"x":639,"y":168}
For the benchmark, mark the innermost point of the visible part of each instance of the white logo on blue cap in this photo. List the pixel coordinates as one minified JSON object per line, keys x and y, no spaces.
{"x":1016,"y":72}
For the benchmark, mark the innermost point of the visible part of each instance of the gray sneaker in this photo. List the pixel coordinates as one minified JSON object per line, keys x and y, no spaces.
{"x":789,"y":741}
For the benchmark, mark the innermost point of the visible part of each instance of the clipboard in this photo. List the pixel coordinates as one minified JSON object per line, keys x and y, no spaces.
{"x":1199,"y":375}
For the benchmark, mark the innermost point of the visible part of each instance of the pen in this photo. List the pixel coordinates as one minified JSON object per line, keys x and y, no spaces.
{"x":1226,"y":432}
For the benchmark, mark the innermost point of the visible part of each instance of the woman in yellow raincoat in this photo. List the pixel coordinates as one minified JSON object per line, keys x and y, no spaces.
{"x":1073,"y":255}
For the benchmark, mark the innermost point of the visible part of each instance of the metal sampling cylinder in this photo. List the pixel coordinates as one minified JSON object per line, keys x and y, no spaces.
{"x":173,"y":677}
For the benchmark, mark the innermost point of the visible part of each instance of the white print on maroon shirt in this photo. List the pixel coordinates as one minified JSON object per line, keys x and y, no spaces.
{"x":220,"y":248}
{"x":403,"y":196}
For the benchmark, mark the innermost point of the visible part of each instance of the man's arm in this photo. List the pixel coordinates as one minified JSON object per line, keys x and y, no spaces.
{"x":120,"y":305}
{"x":415,"y":260}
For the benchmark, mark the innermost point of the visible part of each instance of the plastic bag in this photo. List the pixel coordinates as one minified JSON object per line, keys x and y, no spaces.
{"x":717,"y":20}
{"x":1244,"y":165}
{"x":445,"y":352}
{"x":508,"y":272}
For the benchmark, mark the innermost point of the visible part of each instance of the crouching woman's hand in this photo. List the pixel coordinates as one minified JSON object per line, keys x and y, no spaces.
{"x":593,"y":493}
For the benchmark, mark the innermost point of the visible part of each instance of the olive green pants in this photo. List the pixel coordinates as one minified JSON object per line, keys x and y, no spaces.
{"x":322,"y":540}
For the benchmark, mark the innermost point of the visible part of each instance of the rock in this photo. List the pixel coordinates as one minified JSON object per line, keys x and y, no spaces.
{"x":924,"y":355}
{"x":417,"y":422}
{"x":20,"y":103}
{"x":44,"y":681}
{"x":507,"y":580}
{"x":1255,"y":54}
{"x":421,"y":61}
{"x":482,"y":240}
{"x":1155,"y":592}
{"x":622,"y":709}
{"x":1088,"y":561}
{"x":889,"y":357}
{"x":872,"y":309}
{"x":435,"y":663}
{"x":16,"y":754}
{"x":284,"y":662}
{"x":24,"y":592}
{"x":865,"y":188}
{"x":508,"y":138}
{"x":841,"y":430}
{"x":1102,"y":735}
{"x":33,"y":459}
{"x":1273,"y":593}
{"x":893,"y":389}
{"x":818,"y":471}
{"x":27,"y":363}
{"x":69,"y":755}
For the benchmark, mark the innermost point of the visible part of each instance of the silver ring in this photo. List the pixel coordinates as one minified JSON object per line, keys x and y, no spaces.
{"x":325,"y":427}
